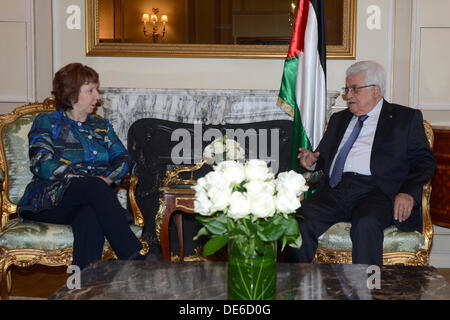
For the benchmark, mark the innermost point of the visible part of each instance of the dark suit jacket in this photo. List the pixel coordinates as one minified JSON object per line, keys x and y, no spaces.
{"x":401,"y":160}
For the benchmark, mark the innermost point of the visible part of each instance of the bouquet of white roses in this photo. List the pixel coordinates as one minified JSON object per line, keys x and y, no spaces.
{"x":223,"y":149}
{"x":245,"y":202}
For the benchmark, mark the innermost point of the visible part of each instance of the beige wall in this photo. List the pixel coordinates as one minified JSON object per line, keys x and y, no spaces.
{"x":430,"y":72}
{"x":16,"y":71}
{"x":26,"y":62}
{"x":206,"y":72}
{"x":404,"y":45}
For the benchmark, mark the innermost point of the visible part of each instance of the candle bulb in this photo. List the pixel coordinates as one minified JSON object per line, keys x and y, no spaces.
{"x":145,"y":18}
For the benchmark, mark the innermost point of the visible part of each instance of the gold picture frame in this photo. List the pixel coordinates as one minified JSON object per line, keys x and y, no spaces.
{"x":344,"y":50}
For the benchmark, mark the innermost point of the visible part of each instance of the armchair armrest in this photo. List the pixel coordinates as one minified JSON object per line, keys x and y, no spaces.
{"x":426,"y":217}
{"x":129,"y":183}
{"x":1,"y":201}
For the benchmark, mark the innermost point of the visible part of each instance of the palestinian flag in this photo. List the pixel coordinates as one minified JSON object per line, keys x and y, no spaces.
{"x":303,"y":91}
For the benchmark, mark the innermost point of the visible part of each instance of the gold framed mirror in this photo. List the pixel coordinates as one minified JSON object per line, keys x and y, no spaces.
{"x":124,"y":28}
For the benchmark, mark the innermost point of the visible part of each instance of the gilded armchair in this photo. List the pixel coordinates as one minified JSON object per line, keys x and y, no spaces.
{"x":409,"y":248}
{"x":25,"y":243}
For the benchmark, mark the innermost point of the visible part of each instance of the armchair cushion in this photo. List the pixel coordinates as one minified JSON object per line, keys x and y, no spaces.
{"x":16,"y":150}
{"x":338,"y":238}
{"x":39,"y":235}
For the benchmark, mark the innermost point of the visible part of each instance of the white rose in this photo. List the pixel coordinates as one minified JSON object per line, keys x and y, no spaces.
{"x":256,"y":169}
{"x":213,"y":152}
{"x":201,"y":183}
{"x":218,"y":146}
{"x":214,"y":179}
{"x":208,"y":153}
{"x":240,"y":206}
{"x":291,"y":181}
{"x":232,"y":171}
{"x":287,"y":202}
{"x":202,"y":204}
{"x":240,"y":154}
{"x":219,"y":197}
{"x":260,"y":186}
{"x":234,"y":150}
{"x":262,"y":205}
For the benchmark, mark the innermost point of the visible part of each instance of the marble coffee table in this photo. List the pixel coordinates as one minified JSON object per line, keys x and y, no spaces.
{"x":142,"y":280}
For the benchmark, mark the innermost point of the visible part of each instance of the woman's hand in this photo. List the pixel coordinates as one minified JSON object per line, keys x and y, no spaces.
{"x":107,"y":180}
{"x":307,"y":158}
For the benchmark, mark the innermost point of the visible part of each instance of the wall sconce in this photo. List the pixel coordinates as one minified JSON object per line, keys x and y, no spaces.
{"x":292,"y":14}
{"x":156,"y":24}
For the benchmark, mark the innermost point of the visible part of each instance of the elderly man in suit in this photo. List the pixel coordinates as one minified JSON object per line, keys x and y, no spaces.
{"x":375,"y":158}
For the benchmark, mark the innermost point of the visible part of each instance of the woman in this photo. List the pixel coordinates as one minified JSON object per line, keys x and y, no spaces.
{"x":75,"y":160}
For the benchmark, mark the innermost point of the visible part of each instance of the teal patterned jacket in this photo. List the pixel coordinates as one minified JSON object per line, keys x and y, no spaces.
{"x":61,"y":149}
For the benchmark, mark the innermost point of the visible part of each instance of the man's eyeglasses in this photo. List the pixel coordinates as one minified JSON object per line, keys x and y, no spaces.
{"x":355,"y":89}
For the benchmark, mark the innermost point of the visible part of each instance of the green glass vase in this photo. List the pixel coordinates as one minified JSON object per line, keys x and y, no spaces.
{"x":252,"y":275}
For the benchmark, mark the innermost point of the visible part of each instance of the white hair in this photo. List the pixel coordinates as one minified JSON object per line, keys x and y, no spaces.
{"x":373,"y":73}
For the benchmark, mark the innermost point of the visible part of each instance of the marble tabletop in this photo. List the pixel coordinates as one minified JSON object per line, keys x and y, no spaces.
{"x":142,"y":280}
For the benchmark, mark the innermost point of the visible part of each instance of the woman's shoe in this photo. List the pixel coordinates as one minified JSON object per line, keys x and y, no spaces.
{"x":148,"y":257}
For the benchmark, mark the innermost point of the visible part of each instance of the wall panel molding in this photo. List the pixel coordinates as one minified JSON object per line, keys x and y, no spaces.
{"x":429,"y":58}
{"x":18,"y":83}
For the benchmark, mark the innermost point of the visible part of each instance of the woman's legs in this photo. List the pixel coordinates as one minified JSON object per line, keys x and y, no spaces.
{"x":88,"y":237}
{"x":91,"y":207}
{"x":87,"y":233}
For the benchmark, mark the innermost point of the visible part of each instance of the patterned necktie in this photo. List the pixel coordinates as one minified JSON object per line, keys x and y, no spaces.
{"x":338,"y":168}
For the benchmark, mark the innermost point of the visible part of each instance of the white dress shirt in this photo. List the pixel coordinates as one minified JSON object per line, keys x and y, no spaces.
{"x":358,"y":159}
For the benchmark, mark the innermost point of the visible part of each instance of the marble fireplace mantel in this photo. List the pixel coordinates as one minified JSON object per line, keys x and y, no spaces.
{"x":123,"y":106}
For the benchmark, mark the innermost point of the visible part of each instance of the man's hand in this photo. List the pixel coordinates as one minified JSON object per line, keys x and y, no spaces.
{"x":307,"y":158}
{"x":107,"y":180}
{"x":403,"y":206}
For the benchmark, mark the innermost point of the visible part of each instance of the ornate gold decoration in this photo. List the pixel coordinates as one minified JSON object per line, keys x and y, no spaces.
{"x":429,"y":133}
{"x":178,"y":195}
{"x":180,"y":200}
{"x":197,"y":256}
{"x":159,"y":217}
{"x":344,"y":50}
{"x":26,"y":257}
{"x":419,"y":258}
{"x":220,"y":255}
{"x":173,"y":176}
{"x":48,"y":105}
{"x":129,"y":183}
{"x":347,"y":49}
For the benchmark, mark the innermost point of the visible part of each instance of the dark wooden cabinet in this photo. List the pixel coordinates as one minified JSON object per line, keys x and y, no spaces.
{"x":440,"y":195}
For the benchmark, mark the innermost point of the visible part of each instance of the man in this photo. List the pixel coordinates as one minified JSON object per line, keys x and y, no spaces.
{"x":375,"y":158}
